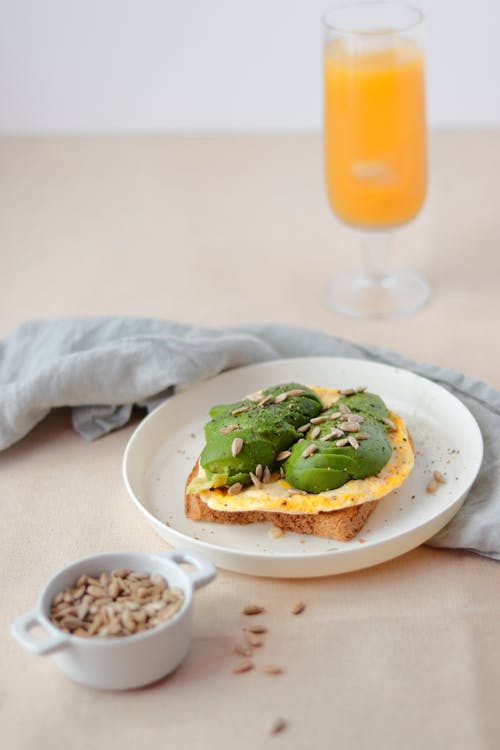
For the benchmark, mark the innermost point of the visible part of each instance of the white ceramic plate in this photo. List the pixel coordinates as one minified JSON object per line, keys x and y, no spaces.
{"x":165,"y":446}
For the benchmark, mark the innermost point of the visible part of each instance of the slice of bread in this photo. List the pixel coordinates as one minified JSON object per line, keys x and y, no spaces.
{"x":342,"y":524}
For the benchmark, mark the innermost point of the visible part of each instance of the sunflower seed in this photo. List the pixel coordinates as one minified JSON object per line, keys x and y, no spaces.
{"x":348,"y":391}
{"x":431,"y":487}
{"x":243,"y":649}
{"x":253,"y":639}
{"x":240,"y":410}
{"x":390,"y":424}
{"x":253,"y":609}
{"x":342,"y":442}
{"x":235,"y":489}
{"x":258,"y":471}
{"x":292,"y":393}
{"x":104,"y":608}
{"x":284,"y":454}
{"x":335,"y":433}
{"x":255,"y":480}
{"x":96,"y":592}
{"x":349,"y":426}
{"x":361,"y":436}
{"x":229,"y":428}
{"x":245,"y":665}
{"x":266,"y":476}
{"x":257,"y":629}
{"x":439,"y":477}
{"x":319,"y":420}
{"x":344,"y":409}
{"x":265,"y":400}
{"x":236,"y":446}
{"x":352,"y":441}
{"x":309,"y":451}
{"x":272,"y":669}
{"x":282,"y":472}
{"x":354,"y":417}
{"x":282,"y":397}
{"x":277,"y":726}
{"x":298,"y":607}
{"x":335,"y":415}
{"x":254,"y":396}
{"x":315,"y":432}
{"x":304,"y":427}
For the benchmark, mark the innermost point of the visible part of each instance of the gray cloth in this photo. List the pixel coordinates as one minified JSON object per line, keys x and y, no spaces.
{"x":103,"y":366}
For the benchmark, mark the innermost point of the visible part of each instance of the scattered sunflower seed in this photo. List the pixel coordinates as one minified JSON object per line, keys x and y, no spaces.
{"x":235,"y":489}
{"x":260,"y":629}
{"x":304,"y":427}
{"x":390,"y":424}
{"x":315,"y":432}
{"x":243,"y":649}
{"x":253,"y":639}
{"x":282,"y":472}
{"x":272,"y":669}
{"x":361,"y":436}
{"x":258,"y":471}
{"x":252,"y":609}
{"x":277,"y":726}
{"x":348,"y":391}
{"x":245,"y":665}
{"x":431,"y":487}
{"x":236,"y":446}
{"x":340,"y":443}
{"x":440,"y":478}
{"x":297,"y":608}
{"x":352,"y":441}
{"x":266,"y":476}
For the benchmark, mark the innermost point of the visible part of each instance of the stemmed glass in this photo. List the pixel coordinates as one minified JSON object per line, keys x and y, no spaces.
{"x":375,"y":146}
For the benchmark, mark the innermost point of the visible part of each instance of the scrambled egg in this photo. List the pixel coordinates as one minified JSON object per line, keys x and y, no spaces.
{"x":279,"y":497}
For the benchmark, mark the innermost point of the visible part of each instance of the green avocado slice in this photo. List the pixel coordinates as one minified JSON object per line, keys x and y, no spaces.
{"x":341,"y":462}
{"x":264,"y":430}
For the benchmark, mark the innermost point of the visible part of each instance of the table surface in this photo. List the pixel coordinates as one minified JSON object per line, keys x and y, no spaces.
{"x":223,"y":230}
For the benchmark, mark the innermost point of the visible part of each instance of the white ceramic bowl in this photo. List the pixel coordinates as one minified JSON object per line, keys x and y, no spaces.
{"x":131,"y":661}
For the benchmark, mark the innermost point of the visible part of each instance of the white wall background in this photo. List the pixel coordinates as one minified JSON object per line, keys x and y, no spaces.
{"x":169,"y":66}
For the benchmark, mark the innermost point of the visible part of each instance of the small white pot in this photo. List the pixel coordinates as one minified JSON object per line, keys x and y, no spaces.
{"x":130,"y":661}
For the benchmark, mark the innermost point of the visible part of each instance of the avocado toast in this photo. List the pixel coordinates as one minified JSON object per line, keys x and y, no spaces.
{"x":311,"y":460}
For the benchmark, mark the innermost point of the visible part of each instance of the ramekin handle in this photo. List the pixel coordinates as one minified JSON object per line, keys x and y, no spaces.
{"x":20,"y":630}
{"x":204,"y":569}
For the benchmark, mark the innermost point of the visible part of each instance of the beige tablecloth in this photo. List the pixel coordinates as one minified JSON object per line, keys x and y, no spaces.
{"x":403,"y":655}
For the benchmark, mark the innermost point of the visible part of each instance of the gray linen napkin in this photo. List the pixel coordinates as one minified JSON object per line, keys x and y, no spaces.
{"x":103,"y":366}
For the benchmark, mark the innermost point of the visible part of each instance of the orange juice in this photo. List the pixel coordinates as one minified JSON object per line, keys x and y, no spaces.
{"x":375,"y":135}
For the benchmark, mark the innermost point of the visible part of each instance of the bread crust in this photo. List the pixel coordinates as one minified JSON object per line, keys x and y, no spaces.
{"x":341,"y":525}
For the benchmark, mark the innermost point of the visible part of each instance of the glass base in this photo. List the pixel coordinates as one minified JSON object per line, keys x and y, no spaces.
{"x":363,"y":296}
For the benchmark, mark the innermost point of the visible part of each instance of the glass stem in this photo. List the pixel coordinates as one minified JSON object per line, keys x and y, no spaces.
{"x":376,"y":246}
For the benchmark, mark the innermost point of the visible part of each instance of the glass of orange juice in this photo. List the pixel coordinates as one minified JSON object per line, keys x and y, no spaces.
{"x":375,"y":146}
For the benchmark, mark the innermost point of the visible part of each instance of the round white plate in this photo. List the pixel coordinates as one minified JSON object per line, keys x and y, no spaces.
{"x":165,"y":446}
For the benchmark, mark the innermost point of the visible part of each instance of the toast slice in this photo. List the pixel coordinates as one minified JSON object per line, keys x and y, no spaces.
{"x":341,"y":525}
